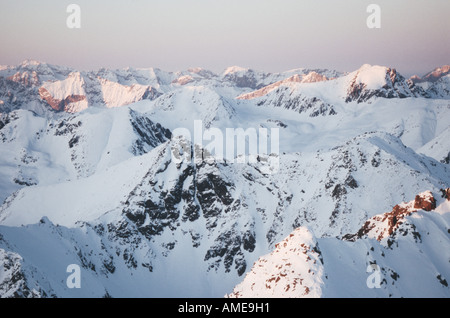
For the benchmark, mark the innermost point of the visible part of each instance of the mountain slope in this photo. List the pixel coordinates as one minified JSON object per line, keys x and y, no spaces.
{"x":212,"y":212}
{"x":382,"y":259}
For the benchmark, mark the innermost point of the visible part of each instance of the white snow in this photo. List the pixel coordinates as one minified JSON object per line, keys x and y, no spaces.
{"x":336,"y":171}
{"x":372,"y":76}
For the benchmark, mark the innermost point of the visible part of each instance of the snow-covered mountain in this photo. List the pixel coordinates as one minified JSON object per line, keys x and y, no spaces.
{"x":36,"y":85}
{"x":88,"y":177}
{"x":435,"y":83}
{"x":432,"y":76}
{"x":399,"y":249}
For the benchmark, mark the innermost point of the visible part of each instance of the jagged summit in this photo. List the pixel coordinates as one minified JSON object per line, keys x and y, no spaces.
{"x":432,"y":76}
{"x":379,"y":81}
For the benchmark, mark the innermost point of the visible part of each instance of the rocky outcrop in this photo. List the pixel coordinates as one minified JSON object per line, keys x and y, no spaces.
{"x":13,"y":283}
{"x":384,"y":225}
{"x":149,"y":134}
{"x":26,"y":78}
{"x":446,"y":193}
{"x":60,"y":104}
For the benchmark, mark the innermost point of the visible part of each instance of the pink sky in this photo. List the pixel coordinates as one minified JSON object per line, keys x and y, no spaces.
{"x":262,"y":34}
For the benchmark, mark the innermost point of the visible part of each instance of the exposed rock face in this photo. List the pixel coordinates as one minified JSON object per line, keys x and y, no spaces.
{"x":446,"y":193}
{"x":66,"y":90}
{"x":57,"y":104}
{"x":199,"y":192}
{"x":384,"y":225}
{"x":25,"y":78}
{"x":440,"y":88}
{"x":13,"y":283}
{"x":150,"y":134}
{"x":425,"y":202}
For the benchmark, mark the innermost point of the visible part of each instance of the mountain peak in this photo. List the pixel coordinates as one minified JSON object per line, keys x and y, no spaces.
{"x":437,"y":73}
{"x":373,"y":76}
{"x":379,"y":81}
{"x":235,"y":69}
{"x":432,"y":76}
{"x":31,"y":62}
{"x":195,"y":70}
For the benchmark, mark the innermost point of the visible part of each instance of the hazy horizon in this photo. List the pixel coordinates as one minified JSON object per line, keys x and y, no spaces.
{"x":259,"y":34}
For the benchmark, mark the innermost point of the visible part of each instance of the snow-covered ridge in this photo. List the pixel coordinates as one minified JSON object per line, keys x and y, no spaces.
{"x":308,"y":78}
{"x":432,"y":76}
{"x":305,"y":266}
{"x":37,"y":85}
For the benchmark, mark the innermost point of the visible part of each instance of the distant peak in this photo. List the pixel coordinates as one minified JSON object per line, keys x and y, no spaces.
{"x":437,"y":73}
{"x":313,"y":76}
{"x":195,"y":70}
{"x":31,"y":62}
{"x":369,"y":67}
{"x":442,"y":69}
{"x":235,"y":69}
{"x":432,"y":76}
{"x":374,"y":76}
{"x":365,"y":66}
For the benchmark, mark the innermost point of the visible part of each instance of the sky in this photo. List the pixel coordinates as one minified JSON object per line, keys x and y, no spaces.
{"x":267,"y":35}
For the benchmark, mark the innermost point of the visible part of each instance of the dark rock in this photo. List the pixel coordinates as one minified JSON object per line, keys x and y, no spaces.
{"x":351,"y":182}
{"x":338,"y":191}
{"x":73,"y":141}
{"x":442,"y":280}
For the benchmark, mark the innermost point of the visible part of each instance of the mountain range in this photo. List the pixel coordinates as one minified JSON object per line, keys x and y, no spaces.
{"x":88,"y":178}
